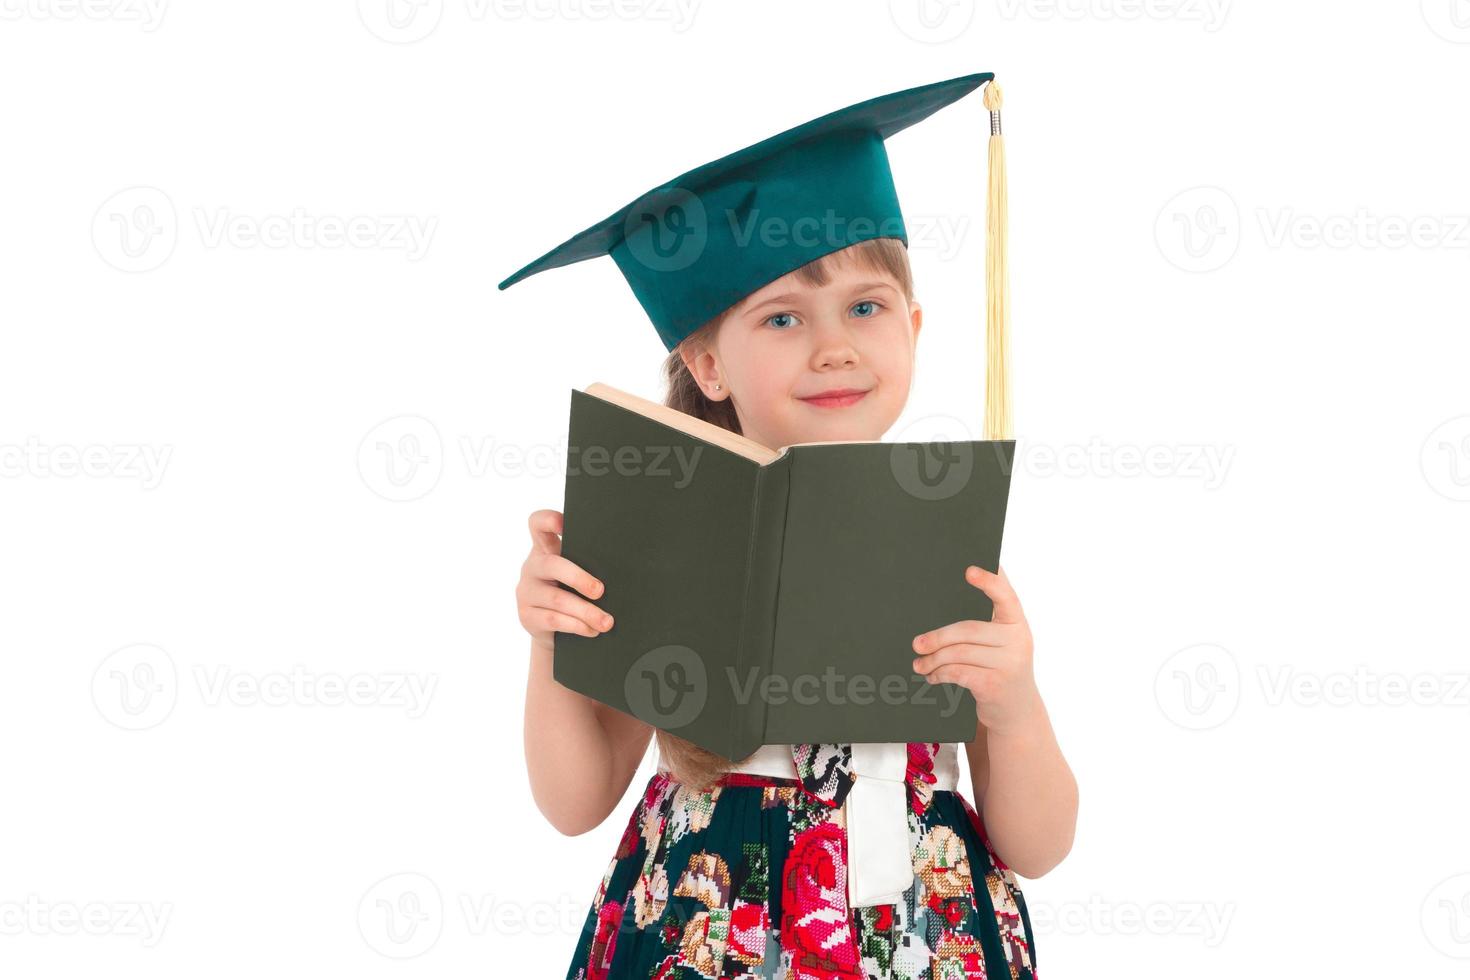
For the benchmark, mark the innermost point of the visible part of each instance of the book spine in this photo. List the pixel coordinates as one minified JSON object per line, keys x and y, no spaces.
{"x":763,"y":588}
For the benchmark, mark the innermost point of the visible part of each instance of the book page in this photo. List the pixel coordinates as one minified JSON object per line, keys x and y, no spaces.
{"x":698,"y":428}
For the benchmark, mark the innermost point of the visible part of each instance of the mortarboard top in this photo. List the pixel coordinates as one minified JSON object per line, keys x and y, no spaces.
{"x":695,"y":246}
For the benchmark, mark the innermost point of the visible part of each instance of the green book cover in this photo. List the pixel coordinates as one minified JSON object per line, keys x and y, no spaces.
{"x":764,"y":597}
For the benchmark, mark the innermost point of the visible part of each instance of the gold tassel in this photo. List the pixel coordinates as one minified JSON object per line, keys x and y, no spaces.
{"x":997,"y":299}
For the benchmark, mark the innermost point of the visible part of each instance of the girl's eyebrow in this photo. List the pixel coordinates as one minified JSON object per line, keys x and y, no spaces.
{"x":794,"y":297}
{"x":774,"y":300}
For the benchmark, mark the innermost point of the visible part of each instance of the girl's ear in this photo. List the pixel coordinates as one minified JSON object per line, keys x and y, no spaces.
{"x":704,"y":370}
{"x":916,"y":318}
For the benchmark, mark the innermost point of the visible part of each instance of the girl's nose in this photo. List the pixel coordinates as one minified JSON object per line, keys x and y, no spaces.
{"x":833,"y":344}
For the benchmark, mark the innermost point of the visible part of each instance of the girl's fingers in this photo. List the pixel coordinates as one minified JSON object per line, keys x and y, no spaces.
{"x":551,"y":597}
{"x":546,"y":526}
{"x":998,"y":587}
{"x":562,"y":623}
{"x":985,"y":658}
{"x":975,"y":631}
{"x":962,"y":674}
{"x":558,"y":569}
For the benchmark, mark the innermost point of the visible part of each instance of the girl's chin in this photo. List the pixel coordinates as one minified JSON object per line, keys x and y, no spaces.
{"x":856,"y":424}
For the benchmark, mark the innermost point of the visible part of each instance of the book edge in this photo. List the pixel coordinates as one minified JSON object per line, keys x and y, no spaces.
{"x":685,"y":423}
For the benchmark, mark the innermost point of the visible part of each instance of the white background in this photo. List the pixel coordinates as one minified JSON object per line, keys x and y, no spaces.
{"x":245,"y":461}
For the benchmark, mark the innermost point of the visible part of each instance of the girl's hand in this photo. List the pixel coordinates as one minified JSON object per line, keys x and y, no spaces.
{"x":992,"y":660}
{"x":546,"y":608}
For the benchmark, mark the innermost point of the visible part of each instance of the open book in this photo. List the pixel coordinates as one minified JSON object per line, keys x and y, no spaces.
{"x":767,"y":596}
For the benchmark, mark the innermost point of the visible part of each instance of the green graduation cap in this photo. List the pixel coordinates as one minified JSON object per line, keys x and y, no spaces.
{"x":695,"y":246}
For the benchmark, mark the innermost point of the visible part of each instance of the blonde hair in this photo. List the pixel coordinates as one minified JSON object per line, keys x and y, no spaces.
{"x":690,"y":764}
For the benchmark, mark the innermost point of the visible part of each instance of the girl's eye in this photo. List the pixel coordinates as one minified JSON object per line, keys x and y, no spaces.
{"x":865,"y":309}
{"x":781,"y":320}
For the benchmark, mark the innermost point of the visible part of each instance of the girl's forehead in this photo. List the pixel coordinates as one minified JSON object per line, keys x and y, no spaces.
{"x":841,"y":271}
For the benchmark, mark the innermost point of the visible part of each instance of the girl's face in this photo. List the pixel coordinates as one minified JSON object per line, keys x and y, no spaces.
{"x":788,"y":342}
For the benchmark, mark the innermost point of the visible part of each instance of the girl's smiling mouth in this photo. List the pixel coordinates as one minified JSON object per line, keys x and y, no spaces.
{"x":837,"y":397}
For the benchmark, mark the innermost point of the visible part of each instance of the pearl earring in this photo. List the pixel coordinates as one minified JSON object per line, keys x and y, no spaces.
{"x":717,"y":387}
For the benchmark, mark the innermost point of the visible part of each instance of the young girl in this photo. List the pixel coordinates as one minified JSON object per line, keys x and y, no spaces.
{"x":740,"y":868}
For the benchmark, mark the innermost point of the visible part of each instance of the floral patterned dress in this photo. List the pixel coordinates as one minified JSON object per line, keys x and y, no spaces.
{"x":748,"y":881}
